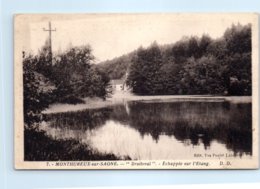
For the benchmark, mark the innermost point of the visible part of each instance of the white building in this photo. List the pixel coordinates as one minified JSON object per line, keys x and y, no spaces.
{"x":117,"y":84}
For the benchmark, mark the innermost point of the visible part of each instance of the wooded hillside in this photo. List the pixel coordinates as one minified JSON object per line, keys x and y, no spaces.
{"x":192,"y":65}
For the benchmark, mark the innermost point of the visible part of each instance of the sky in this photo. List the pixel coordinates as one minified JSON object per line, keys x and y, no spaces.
{"x":112,"y":35}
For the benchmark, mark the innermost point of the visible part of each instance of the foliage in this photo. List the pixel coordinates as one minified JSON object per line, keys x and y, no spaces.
{"x":67,"y":78}
{"x":117,"y":67}
{"x":195,"y":66}
{"x":75,"y":76}
{"x":144,"y":75}
{"x":192,"y":65}
{"x":38,"y":91}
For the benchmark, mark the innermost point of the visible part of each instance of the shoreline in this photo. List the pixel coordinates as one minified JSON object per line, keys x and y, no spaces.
{"x":123,"y":97}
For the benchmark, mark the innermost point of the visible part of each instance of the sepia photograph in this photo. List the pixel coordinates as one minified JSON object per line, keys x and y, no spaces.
{"x":136,"y":91}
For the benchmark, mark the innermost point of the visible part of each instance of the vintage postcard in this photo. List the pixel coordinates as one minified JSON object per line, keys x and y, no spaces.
{"x":136,"y":91}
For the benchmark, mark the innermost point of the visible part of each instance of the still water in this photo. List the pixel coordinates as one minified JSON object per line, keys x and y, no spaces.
{"x":150,"y":130}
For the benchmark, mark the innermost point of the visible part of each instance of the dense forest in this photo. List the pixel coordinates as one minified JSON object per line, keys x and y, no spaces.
{"x":66,"y":78}
{"x":191,"y":66}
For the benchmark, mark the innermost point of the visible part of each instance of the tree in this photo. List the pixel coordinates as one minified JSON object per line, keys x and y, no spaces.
{"x":204,"y":43}
{"x":67,"y":78}
{"x":180,"y":51}
{"x":38,"y":91}
{"x":193,"y":47}
{"x":238,"y":59}
{"x":195,"y":65}
{"x":238,"y":39}
{"x":76,"y":77}
{"x":144,"y":76}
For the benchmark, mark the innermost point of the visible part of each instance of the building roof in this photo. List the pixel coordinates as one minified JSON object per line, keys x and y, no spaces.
{"x":117,"y":82}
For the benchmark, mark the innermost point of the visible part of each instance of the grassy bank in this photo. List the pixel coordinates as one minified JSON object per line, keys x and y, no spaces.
{"x":121,"y":97}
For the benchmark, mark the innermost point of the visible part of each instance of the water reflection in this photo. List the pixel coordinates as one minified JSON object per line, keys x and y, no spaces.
{"x":159,"y":130}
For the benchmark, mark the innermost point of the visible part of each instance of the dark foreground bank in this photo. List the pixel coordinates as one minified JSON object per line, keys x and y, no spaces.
{"x":40,"y":147}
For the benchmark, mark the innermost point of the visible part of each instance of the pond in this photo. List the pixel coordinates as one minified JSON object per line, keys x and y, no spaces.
{"x":159,"y":130}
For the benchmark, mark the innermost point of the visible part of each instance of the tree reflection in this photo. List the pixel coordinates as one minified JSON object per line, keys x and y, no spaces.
{"x":80,"y":120}
{"x":192,"y":123}
{"x":198,"y":122}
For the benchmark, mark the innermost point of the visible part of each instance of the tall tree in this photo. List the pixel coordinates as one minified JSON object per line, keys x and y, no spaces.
{"x":144,"y":76}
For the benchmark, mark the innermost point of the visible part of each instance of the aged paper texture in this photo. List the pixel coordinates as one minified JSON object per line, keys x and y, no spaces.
{"x":136,"y":91}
